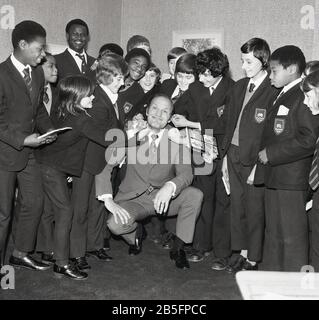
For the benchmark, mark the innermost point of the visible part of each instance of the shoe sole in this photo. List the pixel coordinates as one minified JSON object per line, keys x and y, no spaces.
{"x":61,"y":276}
{"x":218,"y":269}
{"x":17,"y":266}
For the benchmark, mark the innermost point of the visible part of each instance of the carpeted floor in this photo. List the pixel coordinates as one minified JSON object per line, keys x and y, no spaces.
{"x":149,"y":276}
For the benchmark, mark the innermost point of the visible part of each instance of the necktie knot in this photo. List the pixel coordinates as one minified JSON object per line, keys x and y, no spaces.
{"x":81,"y":56}
{"x":252,"y":87}
{"x":154,"y":137}
{"x":26,"y":72}
{"x":211,"y":90}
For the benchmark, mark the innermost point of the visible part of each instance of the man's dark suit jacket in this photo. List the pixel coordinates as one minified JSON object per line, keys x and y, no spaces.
{"x":105,"y":118}
{"x":67,"y":66}
{"x":253,"y":119}
{"x":21,"y":114}
{"x":290,"y":143}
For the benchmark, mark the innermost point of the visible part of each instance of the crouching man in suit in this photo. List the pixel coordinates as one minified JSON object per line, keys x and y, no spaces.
{"x":157,"y":181}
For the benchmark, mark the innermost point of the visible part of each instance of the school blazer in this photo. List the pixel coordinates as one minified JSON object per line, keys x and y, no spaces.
{"x":184,"y":105}
{"x":105,"y":118}
{"x":290,"y":142}
{"x":253,"y":119}
{"x":21,"y":114}
{"x":68,"y":152}
{"x":67,"y":66}
{"x":143,"y":103}
{"x":139,"y":177}
{"x":209,"y":109}
{"x":128,"y":98}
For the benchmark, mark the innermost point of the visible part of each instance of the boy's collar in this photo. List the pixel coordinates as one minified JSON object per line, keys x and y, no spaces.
{"x":291,"y":85}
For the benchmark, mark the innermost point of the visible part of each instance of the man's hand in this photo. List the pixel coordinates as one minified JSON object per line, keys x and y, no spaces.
{"x":118,"y":212}
{"x":179,"y":121}
{"x":32,"y":141}
{"x":162,"y":198}
{"x":262,"y":155}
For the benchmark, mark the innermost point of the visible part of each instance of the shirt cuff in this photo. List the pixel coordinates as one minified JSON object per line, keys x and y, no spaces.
{"x":103,"y":197}
{"x":174,"y":188}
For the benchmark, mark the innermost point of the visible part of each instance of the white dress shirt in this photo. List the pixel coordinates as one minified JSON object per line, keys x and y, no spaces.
{"x":77,"y":59}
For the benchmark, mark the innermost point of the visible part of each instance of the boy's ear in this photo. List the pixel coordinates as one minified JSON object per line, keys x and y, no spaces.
{"x":22,"y":44}
{"x":293,"y":69}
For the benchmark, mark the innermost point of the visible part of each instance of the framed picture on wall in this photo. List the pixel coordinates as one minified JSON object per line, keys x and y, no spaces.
{"x":195,"y":41}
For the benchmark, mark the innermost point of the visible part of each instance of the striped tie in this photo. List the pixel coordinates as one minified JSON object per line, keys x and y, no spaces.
{"x":314,"y":176}
{"x":153,"y":149}
{"x":180,"y":93}
{"x":83,"y":66}
{"x":27,"y":79}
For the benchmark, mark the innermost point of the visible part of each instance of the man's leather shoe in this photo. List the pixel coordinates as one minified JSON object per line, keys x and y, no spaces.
{"x":47,"y":258}
{"x":136,"y":248}
{"x":80,"y":263}
{"x":100,"y":255}
{"x":237,"y":265}
{"x":69,"y":271}
{"x":29,"y":263}
{"x":220,"y":264}
{"x":180,"y":259}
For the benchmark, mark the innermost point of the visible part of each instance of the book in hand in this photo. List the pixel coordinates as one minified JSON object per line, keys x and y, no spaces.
{"x":54,"y":131}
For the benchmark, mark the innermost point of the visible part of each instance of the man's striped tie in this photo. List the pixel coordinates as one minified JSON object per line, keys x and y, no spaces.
{"x":27,"y":79}
{"x":314,"y":176}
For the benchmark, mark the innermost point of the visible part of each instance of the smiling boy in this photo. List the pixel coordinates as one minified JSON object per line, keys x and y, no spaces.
{"x":74,"y":60}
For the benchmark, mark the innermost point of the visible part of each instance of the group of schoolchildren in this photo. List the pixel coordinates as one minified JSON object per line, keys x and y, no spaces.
{"x":253,"y":214}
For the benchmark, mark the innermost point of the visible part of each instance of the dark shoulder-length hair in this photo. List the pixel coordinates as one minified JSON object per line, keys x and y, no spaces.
{"x":71,"y":90}
{"x":186,"y":64}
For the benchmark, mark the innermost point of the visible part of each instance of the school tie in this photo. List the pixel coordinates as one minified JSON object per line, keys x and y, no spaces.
{"x":83,"y":66}
{"x":116,"y":109}
{"x":27,"y":79}
{"x":314,"y":176}
{"x":180,"y":93}
{"x":153,"y":149}
{"x":252,"y":87}
{"x":279,"y":96}
{"x":46,"y":96}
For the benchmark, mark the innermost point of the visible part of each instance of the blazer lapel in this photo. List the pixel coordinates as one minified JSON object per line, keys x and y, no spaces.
{"x":16,"y":76}
{"x":241,"y":97}
{"x":259,"y":91}
{"x":286,"y":95}
{"x":70,"y":59}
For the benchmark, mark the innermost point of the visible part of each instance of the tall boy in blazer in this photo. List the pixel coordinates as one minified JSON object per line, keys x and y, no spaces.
{"x":74,"y":60}
{"x":22,"y":114}
{"x":288,"y":146}
{"x":246,"y":111}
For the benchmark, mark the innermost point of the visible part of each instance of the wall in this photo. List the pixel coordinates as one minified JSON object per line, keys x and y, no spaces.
{"x":102,"y":16}
{"x":278,"y":21}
